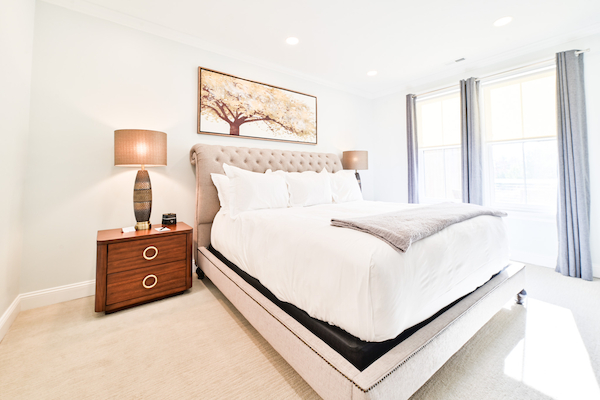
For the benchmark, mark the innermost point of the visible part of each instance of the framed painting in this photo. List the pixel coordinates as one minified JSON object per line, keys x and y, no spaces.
{"x":237,"y":107}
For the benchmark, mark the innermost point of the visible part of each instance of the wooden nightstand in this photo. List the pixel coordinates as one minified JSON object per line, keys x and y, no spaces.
{"x":137,"y":267}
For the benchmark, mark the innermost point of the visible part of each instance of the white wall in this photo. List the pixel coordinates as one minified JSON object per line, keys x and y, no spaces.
{"x":592,"y":87}
{"x":532,"y":238}
{"x":389,"y":153}
{"x":91,"y":77}
{"x":16,"y":41}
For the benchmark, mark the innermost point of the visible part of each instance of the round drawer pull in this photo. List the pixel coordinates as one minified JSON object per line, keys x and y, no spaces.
{"x":151,"y":257}
{"x":150,"y":286}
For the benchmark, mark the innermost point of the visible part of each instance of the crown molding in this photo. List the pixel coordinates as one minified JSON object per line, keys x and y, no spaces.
{"x":488,"y":61}
{"x":152,"y":28}
{"x":104,"y":13}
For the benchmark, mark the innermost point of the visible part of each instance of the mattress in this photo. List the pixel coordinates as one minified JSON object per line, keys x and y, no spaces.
{"x":353,"y":280}
{"x":359,"y":353}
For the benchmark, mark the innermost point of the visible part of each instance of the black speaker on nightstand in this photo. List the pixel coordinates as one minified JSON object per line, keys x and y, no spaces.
{"x":169,"y":219}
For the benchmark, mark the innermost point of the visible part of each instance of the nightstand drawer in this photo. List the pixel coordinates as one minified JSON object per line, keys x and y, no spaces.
{"x":146,"y":252}
{"x":133,"y":268}
{"x":159,"y":280}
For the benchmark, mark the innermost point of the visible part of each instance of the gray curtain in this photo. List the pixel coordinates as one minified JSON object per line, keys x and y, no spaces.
{"x":412,"y":148}
{"x":471,"y":145}
{"x":574,"y":257}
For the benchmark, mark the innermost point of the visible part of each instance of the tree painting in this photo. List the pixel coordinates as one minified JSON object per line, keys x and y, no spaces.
{"x":262,"y":111}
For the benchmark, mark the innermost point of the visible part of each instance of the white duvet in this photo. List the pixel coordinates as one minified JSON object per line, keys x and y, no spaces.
{"x":353,"y":280}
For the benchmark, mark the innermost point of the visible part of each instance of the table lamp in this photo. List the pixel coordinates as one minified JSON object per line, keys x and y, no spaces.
{"x":356,"y":159}
{"x":138,"y":147}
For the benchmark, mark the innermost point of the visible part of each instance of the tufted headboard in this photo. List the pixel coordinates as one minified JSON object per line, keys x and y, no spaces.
{"x":210,"y":158}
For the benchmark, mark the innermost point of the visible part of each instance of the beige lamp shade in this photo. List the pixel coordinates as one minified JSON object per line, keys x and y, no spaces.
{"x":356,"y":159}
{"x":135,"y":147}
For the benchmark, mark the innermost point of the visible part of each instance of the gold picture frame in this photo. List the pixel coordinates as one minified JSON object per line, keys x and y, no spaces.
{"x":238,"y":107}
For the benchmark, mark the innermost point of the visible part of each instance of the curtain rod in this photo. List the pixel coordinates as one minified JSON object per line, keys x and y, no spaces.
{"x":517,"y":69}
{"x":499,"y":73}
{"x":436,"y":90}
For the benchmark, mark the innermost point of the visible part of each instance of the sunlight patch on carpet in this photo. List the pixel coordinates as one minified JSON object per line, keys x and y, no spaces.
{"x":552,"y":357}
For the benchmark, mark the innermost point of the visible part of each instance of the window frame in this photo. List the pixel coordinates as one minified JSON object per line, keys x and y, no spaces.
{"x":420,"y":166}
{"x":488,"y":174}
{"x":490,"y":181}
{"x":421,"y":178}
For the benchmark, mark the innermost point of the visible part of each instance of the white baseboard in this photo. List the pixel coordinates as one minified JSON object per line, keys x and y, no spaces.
{"x":534,"y":258}
{"x":545,"y":261}
{"x":58,"y":294}
{"x":9,"y":316}
{"x":46,"y":297}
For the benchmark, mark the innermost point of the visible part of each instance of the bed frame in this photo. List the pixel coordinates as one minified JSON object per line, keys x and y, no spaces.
{"x":397,"y":374}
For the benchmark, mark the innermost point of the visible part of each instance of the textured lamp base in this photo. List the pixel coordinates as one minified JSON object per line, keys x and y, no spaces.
{"x":358,"y":179}
{"x":142,"y":200}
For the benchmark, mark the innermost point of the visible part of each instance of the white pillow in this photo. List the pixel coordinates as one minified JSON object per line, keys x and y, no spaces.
{"x":344,"y":187}
{"x":221,"y":182}
{"x":307,"y":188}
{"x":254,"y":191}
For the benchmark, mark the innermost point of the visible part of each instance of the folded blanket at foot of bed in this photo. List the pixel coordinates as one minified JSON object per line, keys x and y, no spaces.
{"x":402,"y":228}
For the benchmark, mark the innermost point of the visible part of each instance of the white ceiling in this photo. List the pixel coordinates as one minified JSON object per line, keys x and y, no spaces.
{"x":340,"y":40}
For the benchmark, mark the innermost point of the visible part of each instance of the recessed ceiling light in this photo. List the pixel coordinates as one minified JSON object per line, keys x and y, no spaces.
{"x":503,"y":21}
{"x":292,"y":40}
{"x":372,"y":73}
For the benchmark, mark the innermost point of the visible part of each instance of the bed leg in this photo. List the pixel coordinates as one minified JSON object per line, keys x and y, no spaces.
{"x":521,"y":296}
{"x":200,"y":273}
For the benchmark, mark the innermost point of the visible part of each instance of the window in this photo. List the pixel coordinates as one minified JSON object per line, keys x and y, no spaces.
{"x":519,"y":123}
{"x":438,"y":135}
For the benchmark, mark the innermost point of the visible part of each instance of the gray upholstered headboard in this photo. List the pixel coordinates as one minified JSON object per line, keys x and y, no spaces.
{"x":210,"y":158}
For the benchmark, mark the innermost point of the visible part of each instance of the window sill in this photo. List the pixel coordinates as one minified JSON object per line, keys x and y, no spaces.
{"x":537,"y":215}
{"x":436,"y":201}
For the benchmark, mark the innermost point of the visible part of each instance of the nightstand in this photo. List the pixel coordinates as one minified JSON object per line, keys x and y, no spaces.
{"x":137,"y":267}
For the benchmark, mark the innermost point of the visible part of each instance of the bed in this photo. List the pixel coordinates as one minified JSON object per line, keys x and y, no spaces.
{"x":404,"y":366}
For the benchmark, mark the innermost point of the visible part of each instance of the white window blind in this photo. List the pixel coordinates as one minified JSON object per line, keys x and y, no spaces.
{"x":438,"y":132}
{"x":519,"y":122}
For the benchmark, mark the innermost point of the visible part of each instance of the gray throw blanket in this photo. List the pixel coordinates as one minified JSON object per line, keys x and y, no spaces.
{"x":402,"y":228}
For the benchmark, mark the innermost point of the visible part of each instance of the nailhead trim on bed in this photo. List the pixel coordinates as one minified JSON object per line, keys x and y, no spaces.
{"x":288,"y":328}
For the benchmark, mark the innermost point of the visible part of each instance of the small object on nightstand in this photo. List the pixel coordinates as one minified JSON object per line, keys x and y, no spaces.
{"x":169,"y":219}
{"x":141,"y":266}
{"x":128,"y":229}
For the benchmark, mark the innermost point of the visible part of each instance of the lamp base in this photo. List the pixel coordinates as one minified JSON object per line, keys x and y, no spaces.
{"x":143,"y":226}
{"x":142,"y":200}
{"x":358,"y":179}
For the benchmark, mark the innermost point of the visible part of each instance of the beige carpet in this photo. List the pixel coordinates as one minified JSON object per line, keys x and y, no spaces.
{"x":198,"y":346}
{"x":546,"y":350}
{"x":192,"y":346}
